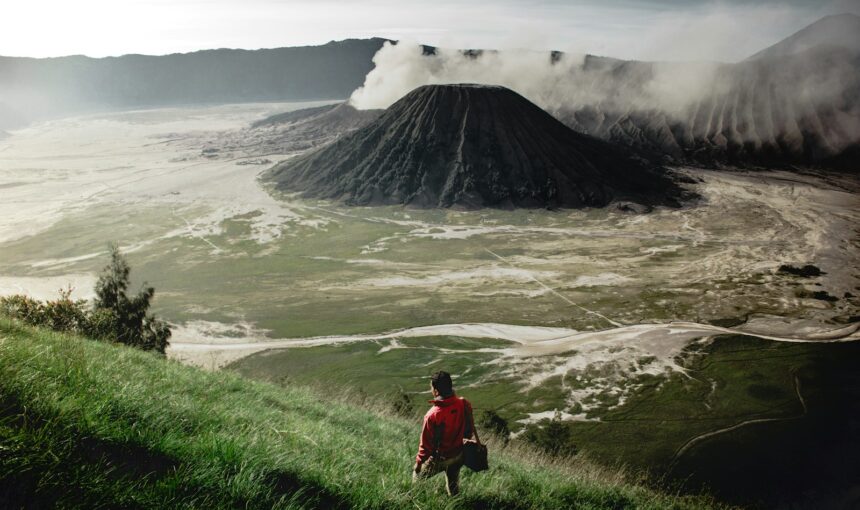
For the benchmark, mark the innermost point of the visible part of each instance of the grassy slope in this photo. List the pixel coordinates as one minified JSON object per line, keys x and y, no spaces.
{"x":729,"y":380}
{"x":94,"y":425}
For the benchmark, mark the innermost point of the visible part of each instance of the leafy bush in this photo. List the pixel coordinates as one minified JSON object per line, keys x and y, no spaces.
{"x":131,"y":324}
{"x":114,"y":317}
{"x":61,"y":314}
{"x":552,"y":436}
{"x":490,"y":420}
{"x":101,"y":324}
{"x":402,"y":405}
{"x":23,"y":308}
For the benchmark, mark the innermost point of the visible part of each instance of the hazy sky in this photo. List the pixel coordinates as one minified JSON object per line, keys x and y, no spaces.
{"x":726,"y":30}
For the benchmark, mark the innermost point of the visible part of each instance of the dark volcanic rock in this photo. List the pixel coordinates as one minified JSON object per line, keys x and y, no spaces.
{"x":473,"y":146}
{"x":821,"y":295}
{"x":806,"y":271}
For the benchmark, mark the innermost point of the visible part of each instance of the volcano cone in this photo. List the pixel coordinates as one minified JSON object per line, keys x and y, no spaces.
{"x":473,"y":146}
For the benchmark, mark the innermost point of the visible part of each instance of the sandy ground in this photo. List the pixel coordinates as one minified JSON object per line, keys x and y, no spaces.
{"x":662,"y":341}
{"x":822,"y":214}
{"x":46,"y":288}
{"x":52,"y":169}
{"x":541,"y":353}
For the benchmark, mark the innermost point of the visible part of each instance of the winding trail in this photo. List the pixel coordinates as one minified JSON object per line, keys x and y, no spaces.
{"x":555,"y":292}
{"x":193,"y":233}
{"x":703,"y":437}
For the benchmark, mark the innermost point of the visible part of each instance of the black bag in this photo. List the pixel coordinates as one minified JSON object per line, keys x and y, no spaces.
{"x":475,"y":456}
{"x":474,"y":453}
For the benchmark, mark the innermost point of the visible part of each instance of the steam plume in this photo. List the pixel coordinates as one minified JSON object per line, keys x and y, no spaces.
{"x":791,"y":104}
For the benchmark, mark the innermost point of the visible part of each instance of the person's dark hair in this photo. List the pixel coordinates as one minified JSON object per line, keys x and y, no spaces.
{"x":441,"y":381}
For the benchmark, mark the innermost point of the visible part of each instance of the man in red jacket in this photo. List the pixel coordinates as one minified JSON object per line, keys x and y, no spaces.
{"x":446,"y":426}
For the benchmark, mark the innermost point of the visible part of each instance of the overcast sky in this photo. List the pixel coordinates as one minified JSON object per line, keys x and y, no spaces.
{"x":728,"y":30}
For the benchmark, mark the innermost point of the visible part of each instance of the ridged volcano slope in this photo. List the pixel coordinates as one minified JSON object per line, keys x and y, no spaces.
{"x":801,"y":109}
{"x":472,"y":146}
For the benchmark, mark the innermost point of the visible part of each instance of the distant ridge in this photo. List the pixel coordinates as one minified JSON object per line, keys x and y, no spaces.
{"x":45,"y":88}
{"x":293,"y":116}
{"x":472,"y":146}
{"x":329,"y":119}
{"x":296,"y":130}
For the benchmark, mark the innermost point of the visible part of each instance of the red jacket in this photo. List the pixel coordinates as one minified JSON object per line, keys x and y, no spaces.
{"x":448,"y":417}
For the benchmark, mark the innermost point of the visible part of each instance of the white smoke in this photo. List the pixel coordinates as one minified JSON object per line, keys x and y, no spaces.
{"x":814,"y":91}
{"x":553,"y":83}
{"x":402,"y":67}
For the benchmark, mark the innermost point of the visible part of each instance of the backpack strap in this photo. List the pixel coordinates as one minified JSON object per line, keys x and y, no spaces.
{"x":467,"y":413}
{"x":438,"y":431}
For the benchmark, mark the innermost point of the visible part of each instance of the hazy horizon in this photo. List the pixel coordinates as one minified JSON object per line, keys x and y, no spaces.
{"x":720,"y":31}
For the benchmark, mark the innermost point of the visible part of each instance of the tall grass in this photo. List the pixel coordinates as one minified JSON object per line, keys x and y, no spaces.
{"x":95,"y":425}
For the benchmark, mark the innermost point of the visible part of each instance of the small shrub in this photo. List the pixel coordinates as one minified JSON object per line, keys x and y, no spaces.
{"x":115,"y":316}
{"x":63,"y":314}
{"x":402,"y":405}
{"x":552,"y":436}
{"x":22,"y":308}
{"x":131,"y":324}
{"x":101,"y":325}
{"x":491,"y":421}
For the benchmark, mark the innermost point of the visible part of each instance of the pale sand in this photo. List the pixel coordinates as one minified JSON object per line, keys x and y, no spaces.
{"x":608,"y":359}
{"x":45,"y":288}
{"x":442,"y":278}
{"x":664,"y":341}
{"x":68,"y":165}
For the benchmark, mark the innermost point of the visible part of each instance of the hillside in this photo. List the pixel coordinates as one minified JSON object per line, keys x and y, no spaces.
{"x":472,"y":146}
{"x":88,"y":424}
{"x":773,"y":111}
{"x":321,"y":121}
{"x":795,"y":102}
{"x":43,"y":88}
{"x":288,"y":132}
{"x":841,"y":30}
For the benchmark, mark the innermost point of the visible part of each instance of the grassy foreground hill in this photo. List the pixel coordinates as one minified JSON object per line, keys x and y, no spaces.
{"x":87,"y":424}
